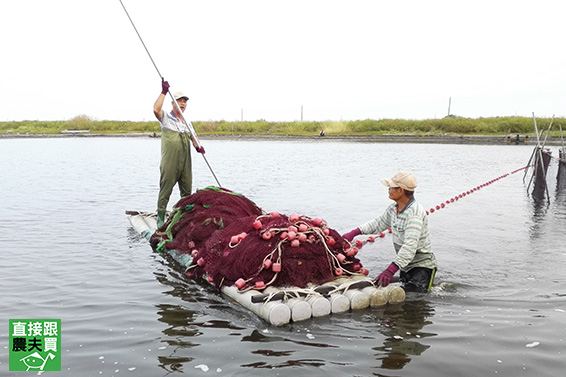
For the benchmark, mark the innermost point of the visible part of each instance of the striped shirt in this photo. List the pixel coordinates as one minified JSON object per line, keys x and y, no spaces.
{"x":411,"y":237}
{"x":170,"y":122}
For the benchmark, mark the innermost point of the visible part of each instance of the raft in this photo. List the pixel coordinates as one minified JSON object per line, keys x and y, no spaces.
{"x":282,"y":305}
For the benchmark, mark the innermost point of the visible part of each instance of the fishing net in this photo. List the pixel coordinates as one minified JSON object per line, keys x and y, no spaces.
{"x":233,"y":241}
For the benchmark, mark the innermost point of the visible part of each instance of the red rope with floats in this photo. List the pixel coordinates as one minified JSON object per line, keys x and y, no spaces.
{"x":360,"y":243}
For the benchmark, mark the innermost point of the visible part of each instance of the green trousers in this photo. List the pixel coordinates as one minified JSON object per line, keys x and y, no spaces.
{"x":175,"y":166}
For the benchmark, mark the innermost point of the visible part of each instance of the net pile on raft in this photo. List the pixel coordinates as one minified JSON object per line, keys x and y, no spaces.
{"x":229,"y":240}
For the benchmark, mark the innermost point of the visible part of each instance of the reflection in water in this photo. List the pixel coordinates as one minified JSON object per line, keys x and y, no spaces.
{"x":403,"y":325}
{"x":256,"y":336}
{"x":182,"y":329}
{"x":400,"y":325}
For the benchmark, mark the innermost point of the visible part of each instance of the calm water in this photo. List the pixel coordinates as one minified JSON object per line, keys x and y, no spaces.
{"x":68,"y":252}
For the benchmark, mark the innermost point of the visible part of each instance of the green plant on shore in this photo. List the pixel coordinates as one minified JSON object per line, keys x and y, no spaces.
{"x":452,"y":125}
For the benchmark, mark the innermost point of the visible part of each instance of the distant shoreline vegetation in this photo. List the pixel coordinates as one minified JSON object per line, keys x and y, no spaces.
{"x":451,"y":125}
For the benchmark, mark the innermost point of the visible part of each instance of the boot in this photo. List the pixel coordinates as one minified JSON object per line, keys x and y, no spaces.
{"x":160,"y":219}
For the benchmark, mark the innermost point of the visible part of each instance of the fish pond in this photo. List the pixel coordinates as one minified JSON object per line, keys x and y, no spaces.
{"x":497,"y":308}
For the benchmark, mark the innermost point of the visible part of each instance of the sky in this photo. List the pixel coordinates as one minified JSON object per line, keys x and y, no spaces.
{"x":314,"y":60}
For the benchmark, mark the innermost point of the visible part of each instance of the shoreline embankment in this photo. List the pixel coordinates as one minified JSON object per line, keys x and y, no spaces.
{"x":514,"y":139}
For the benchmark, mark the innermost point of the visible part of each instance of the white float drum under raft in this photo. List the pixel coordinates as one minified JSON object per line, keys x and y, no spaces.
{"x":274,"y":312}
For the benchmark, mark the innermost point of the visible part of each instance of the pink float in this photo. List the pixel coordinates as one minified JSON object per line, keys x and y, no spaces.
{"x":240,"y":283}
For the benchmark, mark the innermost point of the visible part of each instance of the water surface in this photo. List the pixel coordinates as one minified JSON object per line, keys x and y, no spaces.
{"x":498,"y":306}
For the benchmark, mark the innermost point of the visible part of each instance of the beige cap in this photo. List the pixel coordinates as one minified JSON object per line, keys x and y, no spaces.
{"x":402,"y":179}
{"x":178,"y":95}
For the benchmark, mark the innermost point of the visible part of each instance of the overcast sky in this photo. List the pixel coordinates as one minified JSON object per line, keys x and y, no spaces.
{"x":339,"y":60}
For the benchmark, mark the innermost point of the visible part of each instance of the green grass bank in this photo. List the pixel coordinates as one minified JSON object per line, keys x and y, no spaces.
{"x":444,"y":126}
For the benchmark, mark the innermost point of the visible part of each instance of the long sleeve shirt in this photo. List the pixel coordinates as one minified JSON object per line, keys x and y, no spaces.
{"x":411,"y":237}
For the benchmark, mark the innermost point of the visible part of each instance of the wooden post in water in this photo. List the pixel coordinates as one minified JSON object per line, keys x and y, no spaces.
{"x":561,"y":176}
{"x":541,"y":165}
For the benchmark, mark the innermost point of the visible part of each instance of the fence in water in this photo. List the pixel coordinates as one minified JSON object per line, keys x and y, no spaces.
{"x":540,"y":161}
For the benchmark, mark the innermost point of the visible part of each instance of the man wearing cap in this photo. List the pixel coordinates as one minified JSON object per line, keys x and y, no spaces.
{"x":175,"y":164}
{"x":409,"y":224}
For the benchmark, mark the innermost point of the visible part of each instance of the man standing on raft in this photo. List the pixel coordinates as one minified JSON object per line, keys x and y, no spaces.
{"x":175,"y":164}
{"x":409,"y":224}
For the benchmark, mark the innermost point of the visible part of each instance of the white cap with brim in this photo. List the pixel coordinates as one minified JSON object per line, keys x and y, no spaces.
{"x":402,"y":179}
{"x":178,"y":95}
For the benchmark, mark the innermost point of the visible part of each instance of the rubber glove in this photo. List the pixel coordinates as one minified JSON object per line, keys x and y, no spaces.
{"x":164,"y":86}
{"x":385,"y":277}
{"x":351,"y":234}
{"x":200,"y":149}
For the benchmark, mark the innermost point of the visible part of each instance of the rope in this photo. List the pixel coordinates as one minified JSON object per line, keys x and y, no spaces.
{"x":443,"y":205}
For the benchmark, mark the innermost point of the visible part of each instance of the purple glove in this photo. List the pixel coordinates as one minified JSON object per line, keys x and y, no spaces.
{"x":385,"y":277}
{"x":200,"y":149}
{"x":164,"y":86}
{"x":350,"y":235}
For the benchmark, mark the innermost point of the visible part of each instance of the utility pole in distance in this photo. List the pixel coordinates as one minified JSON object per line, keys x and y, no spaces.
{"x":449,"y":102}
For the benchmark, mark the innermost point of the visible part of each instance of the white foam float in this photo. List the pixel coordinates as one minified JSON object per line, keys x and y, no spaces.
{"x":339,"y":303}
{"x":320,"y":306}
{"x":395,"y":294}
{"x":300,"y":309}
{"x":274,"y":312}
{"x":377,"y":296}
{"x":138,"y":223}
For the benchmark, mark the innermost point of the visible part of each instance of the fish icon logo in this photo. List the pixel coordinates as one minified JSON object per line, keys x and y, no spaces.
{"x":35,"y":361}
